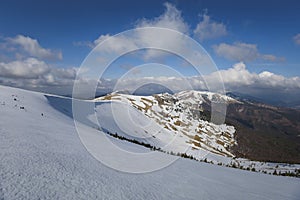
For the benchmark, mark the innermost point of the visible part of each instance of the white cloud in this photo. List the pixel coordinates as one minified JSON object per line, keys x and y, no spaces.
{"x":33,"y":48}
{"x":242,"y":52}
{"x":236,"y":78}
{"x":101,"y":39}
{"x":29,"y":68}
{"x":59,"y":77}
{"x":209,"y":29}
{"x":36,"y":75}
{"x":171,"y":19}
{"x":237,"y":51}
{"x":272,"y":58}
{"x":64,"y":73}
{"x":84,"y":44}
{"x":117,"y":44}
{"x":297,"y":39}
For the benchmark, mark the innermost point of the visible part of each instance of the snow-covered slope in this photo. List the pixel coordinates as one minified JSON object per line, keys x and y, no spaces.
{"x":175,"y":117}
{"x":178,"y":124}
{"x":42,"y":157}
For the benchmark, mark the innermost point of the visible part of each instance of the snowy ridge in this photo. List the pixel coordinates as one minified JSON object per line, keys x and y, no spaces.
{"x":195,"y":96}
{"x":180,"y":114}
{"x":161,"y":118}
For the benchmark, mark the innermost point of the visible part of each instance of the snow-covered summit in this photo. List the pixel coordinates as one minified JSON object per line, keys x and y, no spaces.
{"x":182,"y":114}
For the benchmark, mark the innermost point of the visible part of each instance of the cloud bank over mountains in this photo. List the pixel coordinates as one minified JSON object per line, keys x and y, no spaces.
{"x":236,"y":78}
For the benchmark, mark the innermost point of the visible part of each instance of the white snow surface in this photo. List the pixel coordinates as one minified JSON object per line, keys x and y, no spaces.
{"x":168,"y":117}
{"x":172,"y":123}
{"x":42,"y":157}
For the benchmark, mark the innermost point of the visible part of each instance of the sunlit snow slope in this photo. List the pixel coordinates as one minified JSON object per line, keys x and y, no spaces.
{"x":178,"y":124}
{"x":42,"y":157}
{"x":173,"y":116}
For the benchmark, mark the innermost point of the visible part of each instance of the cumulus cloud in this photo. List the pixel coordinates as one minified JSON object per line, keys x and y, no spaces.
{"x":296,"y":39}
{"x":117,"y":44}
{"x":29,"y":68}
{"x":238,"y":76}
{"x":35,"y":74}
{"x":171,"y":19}
{"x":209,"y":29}
{"x":25,"y":66}
{"x":101,"y":38}
{"x":267,"y":86}
{"x":239,"y":51}
{"x":32,"y":47}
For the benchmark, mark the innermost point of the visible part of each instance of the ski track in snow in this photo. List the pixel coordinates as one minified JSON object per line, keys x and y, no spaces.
{"x":42,"y":157}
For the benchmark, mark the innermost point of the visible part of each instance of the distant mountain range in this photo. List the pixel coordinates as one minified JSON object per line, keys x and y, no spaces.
{"x":271,"y":101}
{"x":286,"y":101}
{"x":264,"y":131}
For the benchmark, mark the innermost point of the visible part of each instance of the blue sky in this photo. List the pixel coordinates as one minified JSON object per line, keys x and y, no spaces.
{"x":57,"y":25}
{"x":263,"y":35}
